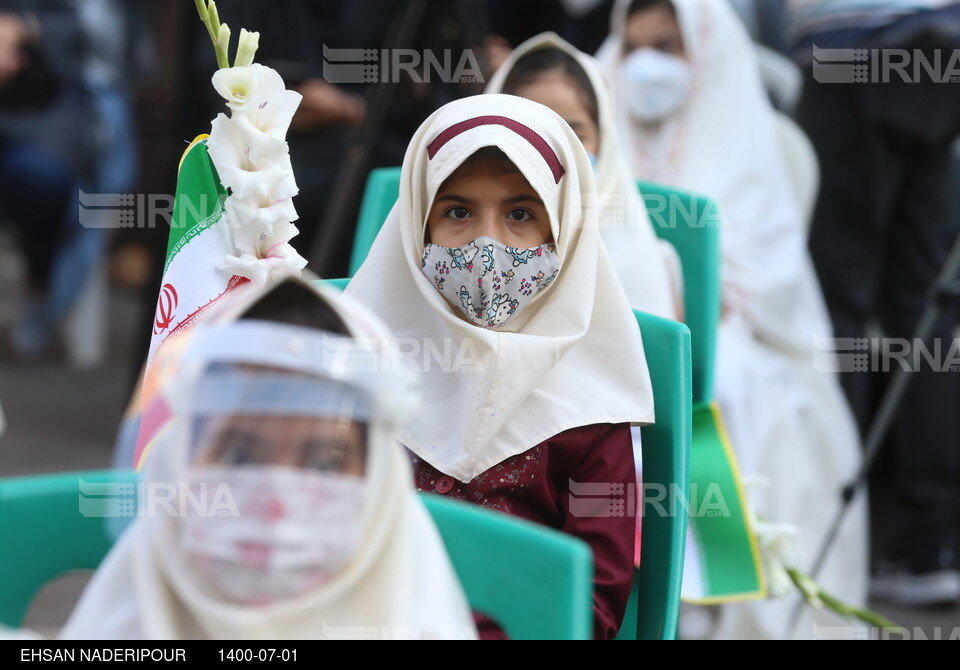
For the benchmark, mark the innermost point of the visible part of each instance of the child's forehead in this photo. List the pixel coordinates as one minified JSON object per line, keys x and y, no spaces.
{"x":489,"y":160}
{"x":487,"y":180}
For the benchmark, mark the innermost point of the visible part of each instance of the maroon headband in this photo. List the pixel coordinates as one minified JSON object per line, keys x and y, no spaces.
{"x":526,"y":133}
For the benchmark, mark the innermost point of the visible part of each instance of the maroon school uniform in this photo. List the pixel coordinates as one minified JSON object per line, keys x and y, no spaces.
{"x":535,"y":485}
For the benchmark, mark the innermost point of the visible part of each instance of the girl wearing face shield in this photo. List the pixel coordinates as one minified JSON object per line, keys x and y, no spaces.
{"x":276,"y":504}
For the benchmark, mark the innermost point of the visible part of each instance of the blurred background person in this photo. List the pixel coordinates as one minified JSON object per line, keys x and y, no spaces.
{"x":766,"y":23}
{"x":116,"y":62}
{"x":549,"y":70}
{"x":879,"y":238}
{"x":67,"y":127}
{"x":46,"y":150}
{"x":693,"y":114}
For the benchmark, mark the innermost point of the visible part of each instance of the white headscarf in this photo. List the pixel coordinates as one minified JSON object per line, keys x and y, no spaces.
{"x":647,"y":266}
{"x":398,"y":582}
{"x":573,"y":357}
{"x":723,"y":143}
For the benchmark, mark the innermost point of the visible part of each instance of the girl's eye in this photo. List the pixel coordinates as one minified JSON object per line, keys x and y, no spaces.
{"x":668,"y":47}
{"x":458,"y":213}
{"x":324,"y":455}
{"x":237,"y":448}
{"x":519,"y":214}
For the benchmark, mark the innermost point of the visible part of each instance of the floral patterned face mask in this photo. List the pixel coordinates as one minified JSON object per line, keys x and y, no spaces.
{"x":487,"y":281}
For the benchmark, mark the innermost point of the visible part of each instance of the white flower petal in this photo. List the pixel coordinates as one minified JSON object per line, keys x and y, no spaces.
{"x":240,"y":87}
{"x":247,"y":48}
{"x":264,"y":219}
{"x":285,"y":262}
{"x":235,"y":142}
{"x":274,"y":114}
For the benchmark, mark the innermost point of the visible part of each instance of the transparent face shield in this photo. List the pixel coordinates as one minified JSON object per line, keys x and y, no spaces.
{"x":276,"y":437}
{"x":244,"y":416}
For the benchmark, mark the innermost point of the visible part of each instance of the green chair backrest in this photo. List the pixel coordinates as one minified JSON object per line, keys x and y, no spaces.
{"x":654,"y":605}
{"x":48,"y":528}
{"x":691,"y":223}
{"x":52,"y":525}
{"x":688,"y":221}
{"x":379,"y":196}
{"x":536,"y":582}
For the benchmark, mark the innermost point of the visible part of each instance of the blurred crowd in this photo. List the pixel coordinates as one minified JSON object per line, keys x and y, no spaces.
{"x":99,"y":98}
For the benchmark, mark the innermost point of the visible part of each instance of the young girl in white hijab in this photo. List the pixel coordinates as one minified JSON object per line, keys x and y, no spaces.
{"x":693,"y":113}
{"x":491,"y":267}
{"x":551,"y":71}
{"x":294,"y":516}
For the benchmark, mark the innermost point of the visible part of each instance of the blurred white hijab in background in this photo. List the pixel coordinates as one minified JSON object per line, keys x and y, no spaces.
{"x":789,"y":422}
{"x":648,"y":267}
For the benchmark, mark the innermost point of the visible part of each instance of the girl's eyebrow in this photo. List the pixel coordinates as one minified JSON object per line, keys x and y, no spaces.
{"x":454,"y":198}
{"x":523,"y":198}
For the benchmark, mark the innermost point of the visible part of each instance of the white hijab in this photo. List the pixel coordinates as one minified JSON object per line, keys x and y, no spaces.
{"x":647,"y":266}
{"x":572,"y":357}
{"x":723,"y":143}
{"x":399,"y":582}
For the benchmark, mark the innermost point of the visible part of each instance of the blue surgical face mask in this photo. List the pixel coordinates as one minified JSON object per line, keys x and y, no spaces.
{"x":657,"y":84}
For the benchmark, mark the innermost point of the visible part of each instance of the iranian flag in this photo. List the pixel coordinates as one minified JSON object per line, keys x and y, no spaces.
{"x":232,"y":222}
{"x":193,"y":280}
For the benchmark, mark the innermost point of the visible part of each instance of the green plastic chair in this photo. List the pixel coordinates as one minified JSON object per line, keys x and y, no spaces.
{"x":536,"y":582}
{"x":687,"y":220}
{"x":654,"y":605}
{"x":46,"y":535}
{"x":690,"y":222}
{"x":379,"y":196}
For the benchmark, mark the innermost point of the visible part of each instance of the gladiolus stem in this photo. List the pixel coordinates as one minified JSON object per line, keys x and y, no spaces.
{"x":210,"y":18}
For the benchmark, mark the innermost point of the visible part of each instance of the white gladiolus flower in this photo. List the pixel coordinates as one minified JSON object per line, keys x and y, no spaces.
{"x":240,"y":144}
{"x":774,"y":541}
{"x":283,"y":261}
{"x":252,"y":158}
{"x":256,"y":241}
{"x":258,"y":94}
{"x":257,"y":181}
{"x":274,"y":115}
{"x":241,"y":87}
{"x":246,"y":48}
{"x":262,"y":215}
